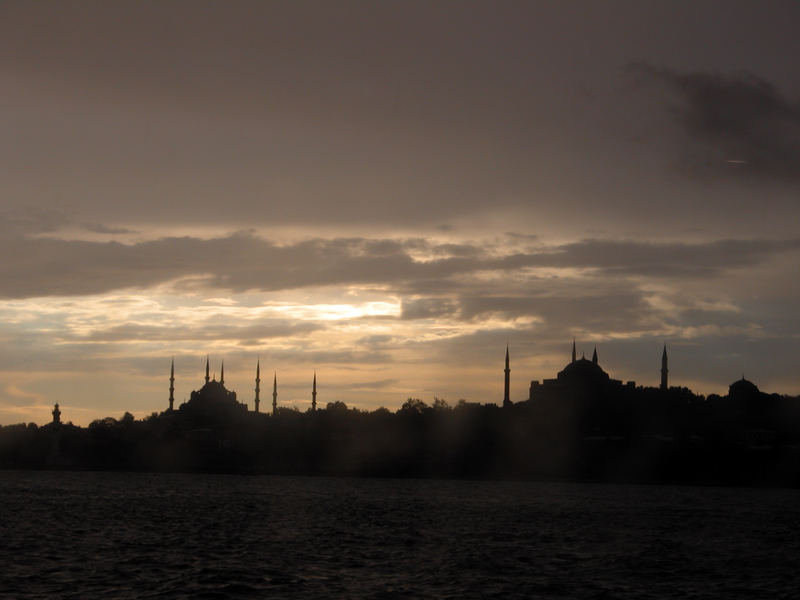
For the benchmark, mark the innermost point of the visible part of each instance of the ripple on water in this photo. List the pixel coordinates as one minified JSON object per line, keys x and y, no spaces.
{"x":78,"y":535}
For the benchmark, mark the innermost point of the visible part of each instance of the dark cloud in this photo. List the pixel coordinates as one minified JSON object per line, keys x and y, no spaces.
{"x":367,"y":385}
{"x":242,"y":262}
{"x":31,"y":220}
{"x":214,"y":329}
{"x":100,"y":228}
{"x":426,"y":308}
{"x":667,"y":259}
{"x":741,"y":124}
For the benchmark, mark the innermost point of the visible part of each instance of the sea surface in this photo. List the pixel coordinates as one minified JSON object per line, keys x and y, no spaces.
{"x":133,"y":535}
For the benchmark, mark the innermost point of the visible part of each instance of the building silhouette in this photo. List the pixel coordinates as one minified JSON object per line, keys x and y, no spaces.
{"x":275,"y":394}
{"x":579,"y":376}
{"x":172,"y":385}
{"x":214,"y":396}
{"x":664,"y":369}
{"x":314,"y":393}
{"x":257,"y":400}
{"x":507,"y":372}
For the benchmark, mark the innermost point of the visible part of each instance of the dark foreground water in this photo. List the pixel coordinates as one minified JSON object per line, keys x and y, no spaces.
{"x":122,"y":535}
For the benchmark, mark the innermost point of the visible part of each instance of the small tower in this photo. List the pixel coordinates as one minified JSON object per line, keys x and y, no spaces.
{"x":573,"y":350}
{"x":207,"y":377}
{"x":56,"y":415}
{"x":664,"y":369}
{"x":507,"y":371}
{"x":275,"y":394}
{"x":594,"y":356}
{"x":172,"y":385}
{"x":222,"y":374}
{"x":258,"y":383}
{"x":314,"y":393}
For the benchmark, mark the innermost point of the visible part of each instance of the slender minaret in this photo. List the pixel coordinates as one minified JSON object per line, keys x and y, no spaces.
{"x":664,"y":369}
{"x":56,"y":415}
{"x":258,"y":383}
{"x":222,"y":374}
{"x":507,"y":371}
{"x":573,"y":349}
{"x":275,"y":394}
{"x":172,"y":385}
{"x":207,"y":377}
{"x":594,"y":356}
{"x":314,"y":393}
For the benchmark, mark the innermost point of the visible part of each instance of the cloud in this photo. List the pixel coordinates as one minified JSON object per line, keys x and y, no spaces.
{"x":105,"y":229}
{"x":243,"y":262}
{"x":426,"y":308}
{"x":739,"y":124}
{"x":132,"y":332}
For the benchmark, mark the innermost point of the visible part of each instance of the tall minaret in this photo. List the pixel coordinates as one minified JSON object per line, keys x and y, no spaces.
{"x":222,"y":373}
{"x":207,"y":377}
{"x":573,"y":350}
{"x":314,"y":393}
{"x":258,"y":383}
{"x":172,"y":385}
{"x":664,"y":369}
{"x":507,"y":371}
{"x":594,"y":356}
{"x":275,"y":394}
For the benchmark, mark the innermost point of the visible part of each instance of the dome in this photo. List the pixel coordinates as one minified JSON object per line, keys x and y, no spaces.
{"x":213,"y":393}
{"x":743,"y":387}
{"x":582,"y":370}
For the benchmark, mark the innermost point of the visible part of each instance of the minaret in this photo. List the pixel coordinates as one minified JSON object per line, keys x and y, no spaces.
{"x":594,"y":356}
{"x":56,"y":415}
{"x":258,"y":383}
{"x":507,"y":371}
{"x":314,"y":393}
{"x":275,"y":394}
{"x":207,"y":378}
{"x":573,"y":349}
{"x":172,"y":385}
{"x":664,"y":369}
{"x":222,"y":374}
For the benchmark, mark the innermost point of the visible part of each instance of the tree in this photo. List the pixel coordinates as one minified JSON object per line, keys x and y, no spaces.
{"x":440,"y":404}
{"x":413,"y":406}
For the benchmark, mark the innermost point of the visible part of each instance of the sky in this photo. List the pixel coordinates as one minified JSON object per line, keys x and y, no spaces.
{"x":388,"y":193}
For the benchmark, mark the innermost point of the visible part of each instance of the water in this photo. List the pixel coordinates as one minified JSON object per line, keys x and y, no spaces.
{"x":123,"y":535}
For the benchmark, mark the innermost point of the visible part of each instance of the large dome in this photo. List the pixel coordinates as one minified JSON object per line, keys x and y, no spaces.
{"x":743,"y":388}
{"x":582,"y":371}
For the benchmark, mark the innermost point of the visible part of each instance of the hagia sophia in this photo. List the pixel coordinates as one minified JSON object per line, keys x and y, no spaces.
{"x":588,"y":374}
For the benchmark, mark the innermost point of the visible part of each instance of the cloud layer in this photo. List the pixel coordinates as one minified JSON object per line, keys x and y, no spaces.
{"x":740,"y":124}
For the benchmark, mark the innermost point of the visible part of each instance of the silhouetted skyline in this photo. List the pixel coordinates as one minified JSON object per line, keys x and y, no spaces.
{"x":582,"y":424}
{"x":387,"y":192}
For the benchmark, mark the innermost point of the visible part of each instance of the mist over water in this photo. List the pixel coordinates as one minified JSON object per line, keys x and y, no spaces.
{"x":130,"y":535}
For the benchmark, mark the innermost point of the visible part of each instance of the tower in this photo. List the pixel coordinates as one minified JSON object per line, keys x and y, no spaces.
{"x":664,"y":369}
{"x":56,"y":415}
{"x":258,"y":383}
{"x":172,"y":385}
{"x":275,"y":394}
{"x":314,"y":393}
{"x":573,"y":349}
{"x":594,"y":356}
{"x":222,"y":374}
{"x":207,"y":377}
{"x":507,"y":371}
